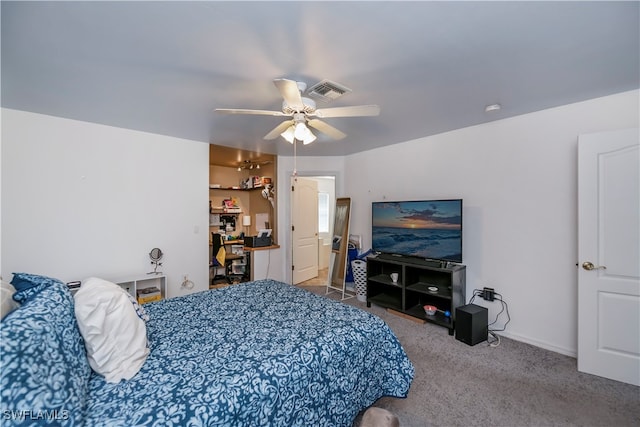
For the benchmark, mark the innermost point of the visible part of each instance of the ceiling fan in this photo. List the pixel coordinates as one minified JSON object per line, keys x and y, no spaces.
{"x":303,"y":112}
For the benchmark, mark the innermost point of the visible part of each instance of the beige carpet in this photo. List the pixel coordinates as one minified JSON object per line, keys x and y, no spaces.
{"x":514,"y":384}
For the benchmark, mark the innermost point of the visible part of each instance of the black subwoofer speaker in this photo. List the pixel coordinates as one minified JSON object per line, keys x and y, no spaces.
{"x":472,"y":324}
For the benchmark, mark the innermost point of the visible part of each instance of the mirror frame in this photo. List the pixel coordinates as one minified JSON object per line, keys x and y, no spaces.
{"x":339,"y":247}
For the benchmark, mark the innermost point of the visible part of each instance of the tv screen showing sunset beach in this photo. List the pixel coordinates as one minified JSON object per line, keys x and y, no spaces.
{"x":426,"y":229}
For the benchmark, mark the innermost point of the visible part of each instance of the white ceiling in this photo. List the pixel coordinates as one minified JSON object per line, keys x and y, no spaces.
{"x":163,"y":67}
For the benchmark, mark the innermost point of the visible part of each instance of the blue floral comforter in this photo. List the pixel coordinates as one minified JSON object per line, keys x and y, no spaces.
{"x":261,"y":353}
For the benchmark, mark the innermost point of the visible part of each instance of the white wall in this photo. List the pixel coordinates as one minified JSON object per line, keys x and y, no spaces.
{"x":1,"y":276}
{"x":518,"y":179}
{"x":80,"y":199}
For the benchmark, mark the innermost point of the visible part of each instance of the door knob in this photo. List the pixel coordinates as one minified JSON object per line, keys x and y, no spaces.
{"x":589,"y":266}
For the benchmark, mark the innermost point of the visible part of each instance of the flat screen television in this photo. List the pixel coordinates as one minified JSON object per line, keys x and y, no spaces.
{"x":430,"y":229}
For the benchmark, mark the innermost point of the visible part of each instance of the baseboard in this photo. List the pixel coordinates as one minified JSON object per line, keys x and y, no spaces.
{"x":547,"y":346}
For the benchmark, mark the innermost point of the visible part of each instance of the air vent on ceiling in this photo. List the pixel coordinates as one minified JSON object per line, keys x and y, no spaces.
{"x":327,"y":90}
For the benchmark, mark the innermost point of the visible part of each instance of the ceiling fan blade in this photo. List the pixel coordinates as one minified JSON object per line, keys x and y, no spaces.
{"x":290,"y":92}
{"x":326,"y":128}
{"x":245,"y":111}
{"x":353,"y":111}
{"x":279,"y":129}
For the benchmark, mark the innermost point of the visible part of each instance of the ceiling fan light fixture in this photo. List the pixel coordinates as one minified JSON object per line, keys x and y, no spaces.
{"x":300,"y":131}
{"x":289,"y":134}
{"x":303,"y":133}
{"x":308,"y":138}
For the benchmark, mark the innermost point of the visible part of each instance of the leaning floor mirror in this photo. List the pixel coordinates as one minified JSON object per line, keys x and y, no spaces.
{"x":339,"y":248}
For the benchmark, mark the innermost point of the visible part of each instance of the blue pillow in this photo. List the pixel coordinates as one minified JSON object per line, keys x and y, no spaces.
{"x":43,"y":359}
{"x":28,"y":285}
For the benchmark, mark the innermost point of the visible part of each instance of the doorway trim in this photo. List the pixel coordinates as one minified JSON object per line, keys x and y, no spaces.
{"x":337,"y":176}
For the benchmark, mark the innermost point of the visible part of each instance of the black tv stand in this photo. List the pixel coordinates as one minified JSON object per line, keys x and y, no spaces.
{"x":427,"y":262}
{"x":435,"y":263}
{"x":420,"y":282}
{"x":389,"y":256}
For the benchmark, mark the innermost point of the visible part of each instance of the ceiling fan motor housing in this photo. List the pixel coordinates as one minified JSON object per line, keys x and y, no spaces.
{"x":309,"y":107}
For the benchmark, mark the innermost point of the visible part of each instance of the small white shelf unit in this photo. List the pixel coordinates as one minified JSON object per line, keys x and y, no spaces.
{"x":135,"y":283}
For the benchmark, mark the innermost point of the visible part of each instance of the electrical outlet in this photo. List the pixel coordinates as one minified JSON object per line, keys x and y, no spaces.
{"x":488,"y":294}
{"x":186,"y":283}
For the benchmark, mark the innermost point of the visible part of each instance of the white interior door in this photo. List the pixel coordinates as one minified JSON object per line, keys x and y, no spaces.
{"x":304,"y":222}
{"x":609,"y":255}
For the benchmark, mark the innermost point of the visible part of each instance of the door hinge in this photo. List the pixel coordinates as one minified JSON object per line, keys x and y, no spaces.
{"x":293,"y":188}
{"x":293,"y":267}
{"x":293,"y":228}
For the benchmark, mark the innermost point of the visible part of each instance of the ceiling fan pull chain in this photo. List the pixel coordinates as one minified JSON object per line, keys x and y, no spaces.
{"x":295,"y":161}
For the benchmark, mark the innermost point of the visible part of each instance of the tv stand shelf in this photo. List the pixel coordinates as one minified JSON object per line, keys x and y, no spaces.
{"x":420,"y":283}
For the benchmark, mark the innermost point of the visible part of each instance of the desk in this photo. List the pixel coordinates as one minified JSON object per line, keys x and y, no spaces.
{"x":261,"y":260}
{"x":253,"y":268}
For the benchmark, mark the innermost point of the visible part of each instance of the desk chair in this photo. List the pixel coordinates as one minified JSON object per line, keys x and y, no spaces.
{"x":218,"y":258}
{"x":221,"y":260}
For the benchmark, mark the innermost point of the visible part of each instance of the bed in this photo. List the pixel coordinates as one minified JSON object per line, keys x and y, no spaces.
{"x":261,"y":353}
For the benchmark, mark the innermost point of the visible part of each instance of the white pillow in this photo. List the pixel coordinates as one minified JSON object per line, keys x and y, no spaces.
{"x":114,"y":335}
{"x":7,"y":304}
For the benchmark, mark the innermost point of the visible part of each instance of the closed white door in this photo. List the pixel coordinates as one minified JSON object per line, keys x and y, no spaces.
{"x":609,"y":255}
{"x":304,"y":223}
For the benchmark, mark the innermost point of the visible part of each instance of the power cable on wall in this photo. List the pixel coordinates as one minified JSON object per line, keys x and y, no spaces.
{"x":268,"y":264}
{"x":505,"y":309}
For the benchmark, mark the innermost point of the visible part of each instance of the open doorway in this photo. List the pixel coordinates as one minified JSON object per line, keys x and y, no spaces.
{"x":241,"y":202}
{"x":326,"y":199}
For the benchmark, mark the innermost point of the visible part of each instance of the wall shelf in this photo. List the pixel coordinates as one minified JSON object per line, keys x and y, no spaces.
{"x":236,"y":188}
